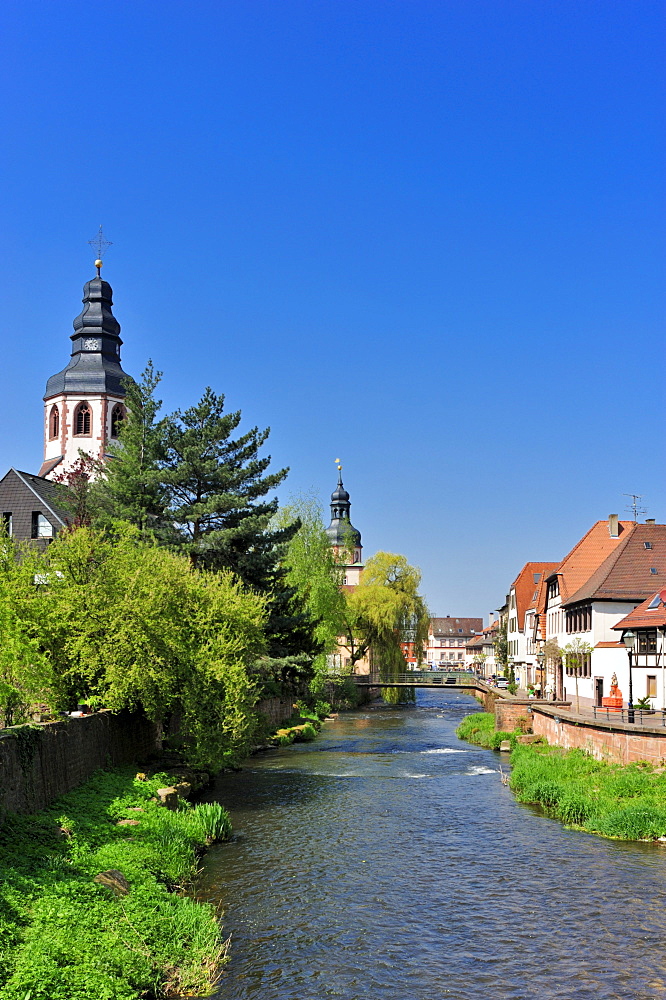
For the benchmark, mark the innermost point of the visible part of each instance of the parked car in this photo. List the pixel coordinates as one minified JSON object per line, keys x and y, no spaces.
{"x":502,"y":682}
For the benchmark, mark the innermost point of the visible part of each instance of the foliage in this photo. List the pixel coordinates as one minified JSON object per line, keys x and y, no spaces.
{"x":65,"y":937}
{"x":131,"y":487}
{"x":75,"y":493}
{"x":312,"y":570}
{"x":615,"y":801}
{"x":501,"y":646}
{"x":575,"y":653}
{"x":386,"y":598}
{"x":135,"y":625}
{"x":25,"y":674}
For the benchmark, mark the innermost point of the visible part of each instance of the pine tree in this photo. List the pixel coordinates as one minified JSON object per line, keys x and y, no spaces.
{"x":131,"y":486}
{"x":217,"y":486}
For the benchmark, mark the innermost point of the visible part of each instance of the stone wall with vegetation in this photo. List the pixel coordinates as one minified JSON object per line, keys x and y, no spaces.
{"x":39,"y":763}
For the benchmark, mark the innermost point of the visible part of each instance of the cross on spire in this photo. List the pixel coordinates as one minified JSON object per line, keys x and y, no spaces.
{"x":100,"y":246}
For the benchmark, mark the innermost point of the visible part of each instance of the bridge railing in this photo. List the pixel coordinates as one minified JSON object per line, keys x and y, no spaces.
{"x":417,"y":677}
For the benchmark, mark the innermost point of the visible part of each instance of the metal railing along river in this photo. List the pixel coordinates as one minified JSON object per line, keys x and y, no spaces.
{"x":637,"y":716}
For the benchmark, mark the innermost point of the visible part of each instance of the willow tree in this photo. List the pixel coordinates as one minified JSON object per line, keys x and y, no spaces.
{"x":385,"y":602}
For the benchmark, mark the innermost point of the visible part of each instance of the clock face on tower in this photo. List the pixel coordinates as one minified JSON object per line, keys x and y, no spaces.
{"x":91,"y":344}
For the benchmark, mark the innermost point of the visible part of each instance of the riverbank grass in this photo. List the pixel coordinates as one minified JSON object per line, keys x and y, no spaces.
{"x":612,"y":800}
{"x":64,"y":936}
{"x":623,"y":802}
{"x":479,"y":728}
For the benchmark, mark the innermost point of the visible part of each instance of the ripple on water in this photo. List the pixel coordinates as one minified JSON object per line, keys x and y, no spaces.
{"x":416,"y":883}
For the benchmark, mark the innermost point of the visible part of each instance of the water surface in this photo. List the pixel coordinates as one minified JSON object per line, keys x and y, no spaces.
{"x":387,"y":861}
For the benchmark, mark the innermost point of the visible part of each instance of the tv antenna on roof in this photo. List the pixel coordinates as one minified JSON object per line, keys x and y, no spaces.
{"x":635,"y":507}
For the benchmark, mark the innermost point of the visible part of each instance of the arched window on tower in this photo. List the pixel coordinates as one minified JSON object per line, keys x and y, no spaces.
{"x":54,"y":423}
{"x":82,"y":420}
{"x":117,"y":417}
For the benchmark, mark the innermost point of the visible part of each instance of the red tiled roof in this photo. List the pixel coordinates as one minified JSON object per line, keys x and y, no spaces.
{"x":525,"y":586}
{"x":587,"y":556}
{"x":626,"y":574}
{"x":644,"y":616}
{"x":609,"y":645}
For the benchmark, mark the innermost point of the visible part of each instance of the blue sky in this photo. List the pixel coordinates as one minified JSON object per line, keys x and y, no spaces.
{"x":426,"y":237}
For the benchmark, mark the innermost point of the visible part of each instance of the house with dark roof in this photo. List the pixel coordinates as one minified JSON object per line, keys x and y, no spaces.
{"x":29,"y":507}
{"x":614,"y":567}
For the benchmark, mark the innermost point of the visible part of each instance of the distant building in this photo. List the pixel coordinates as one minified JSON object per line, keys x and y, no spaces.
{"x":446,"y":643}
{"x":480,"y":650}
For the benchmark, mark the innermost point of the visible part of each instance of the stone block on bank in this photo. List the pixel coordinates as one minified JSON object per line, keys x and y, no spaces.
{"x":505,"y":746}
{"x":530,"y":738}
{"x":168,"y":797}
{"x":113,"y":880}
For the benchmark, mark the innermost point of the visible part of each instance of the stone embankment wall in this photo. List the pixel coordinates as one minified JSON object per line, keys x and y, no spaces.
{"x":613,"y":741}
{"x":275,"y":710}
{"x":39,"y":763}
{"x":509,"y":710}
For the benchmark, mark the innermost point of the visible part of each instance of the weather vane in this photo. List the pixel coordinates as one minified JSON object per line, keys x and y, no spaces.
{"x":100,"y":246}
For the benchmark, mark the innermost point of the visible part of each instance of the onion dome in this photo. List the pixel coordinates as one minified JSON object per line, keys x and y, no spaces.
{"x":95,"y":363}
{"x":341,"y":531}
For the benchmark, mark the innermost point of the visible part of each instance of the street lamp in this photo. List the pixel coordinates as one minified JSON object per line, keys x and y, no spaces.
{"x":629,"y":640}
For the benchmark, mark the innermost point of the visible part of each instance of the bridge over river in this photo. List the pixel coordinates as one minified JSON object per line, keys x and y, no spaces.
{"x":456,"y":679}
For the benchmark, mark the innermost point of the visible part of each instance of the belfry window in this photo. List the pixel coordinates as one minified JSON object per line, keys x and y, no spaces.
{"x":117,"y":417}
{"x":82,"y":419}
{"x":54,"y":423}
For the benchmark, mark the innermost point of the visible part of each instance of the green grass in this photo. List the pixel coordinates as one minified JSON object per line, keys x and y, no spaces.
{"x":628,"y":803}
{"x":65,"y":937}
{"x":479,"y":728}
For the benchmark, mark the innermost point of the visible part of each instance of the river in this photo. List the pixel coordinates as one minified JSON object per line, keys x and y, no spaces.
{"x":387,"y":861}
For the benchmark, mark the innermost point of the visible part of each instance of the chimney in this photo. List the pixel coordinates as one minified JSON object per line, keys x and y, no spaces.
{"x":613,"y":526}
{"x":650,"y":520}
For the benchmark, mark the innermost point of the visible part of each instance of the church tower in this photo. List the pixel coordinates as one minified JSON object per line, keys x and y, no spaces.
{"x":84,"y":403}
{"x":343,"y":536}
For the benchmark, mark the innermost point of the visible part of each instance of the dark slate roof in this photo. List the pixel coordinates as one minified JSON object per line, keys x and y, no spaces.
{"x":95,"y":363}
{"x":43,"y":489}
{"x":456,"y":626}
{"x":341,"y":531}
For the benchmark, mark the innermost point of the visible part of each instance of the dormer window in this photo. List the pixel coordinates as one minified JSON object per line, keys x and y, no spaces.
{"x":117,"y":417}
{"x":54,"y":423}
{"x":82,"y":420}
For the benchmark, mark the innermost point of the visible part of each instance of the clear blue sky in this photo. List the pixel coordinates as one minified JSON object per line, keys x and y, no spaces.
{"x":426,"y":237}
